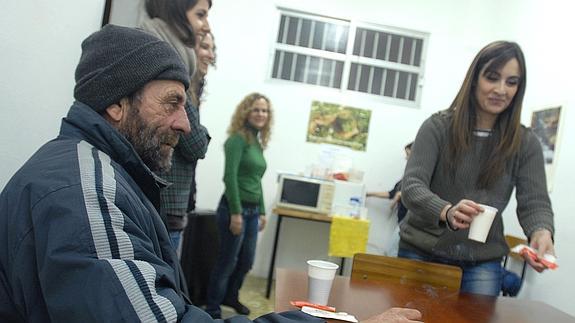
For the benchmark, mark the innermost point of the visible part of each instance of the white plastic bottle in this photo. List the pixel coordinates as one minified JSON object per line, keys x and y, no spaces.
{"x":355,"y":207}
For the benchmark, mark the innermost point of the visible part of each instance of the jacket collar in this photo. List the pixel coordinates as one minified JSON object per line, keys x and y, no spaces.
{"x":84,"y":123}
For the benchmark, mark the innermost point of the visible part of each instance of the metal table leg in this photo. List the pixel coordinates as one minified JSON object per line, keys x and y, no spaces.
{"x":273,"y":260}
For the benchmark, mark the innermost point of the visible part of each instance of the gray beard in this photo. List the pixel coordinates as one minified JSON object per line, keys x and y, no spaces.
{"x":147,"y":140}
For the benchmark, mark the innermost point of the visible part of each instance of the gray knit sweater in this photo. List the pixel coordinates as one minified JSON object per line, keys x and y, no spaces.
{"x":427,"y":189}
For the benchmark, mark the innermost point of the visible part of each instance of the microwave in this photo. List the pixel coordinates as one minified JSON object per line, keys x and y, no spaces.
{"x":305,"y":193}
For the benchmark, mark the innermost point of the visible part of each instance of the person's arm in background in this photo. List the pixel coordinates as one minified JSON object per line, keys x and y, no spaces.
{"x":533,"y":204}
{"x":233,"y":151}
{"x":394,"y":194}
{"x":194,"y":145}
{"x":383,"y":195}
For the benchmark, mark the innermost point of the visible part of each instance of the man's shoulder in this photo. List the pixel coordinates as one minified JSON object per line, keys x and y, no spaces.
{"x":52,"y":167}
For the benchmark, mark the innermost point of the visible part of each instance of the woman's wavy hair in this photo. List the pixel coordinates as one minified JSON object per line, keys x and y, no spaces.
{"x":506,"y":133}
{"x":240,"y":125}
{"x":173,"y":13}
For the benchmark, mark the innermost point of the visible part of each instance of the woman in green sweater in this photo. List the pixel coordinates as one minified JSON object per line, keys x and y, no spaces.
{"x":241,"y":212}
{"x":477,"y":152}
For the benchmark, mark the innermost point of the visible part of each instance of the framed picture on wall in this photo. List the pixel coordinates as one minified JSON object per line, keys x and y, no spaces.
{"x":335,"y":124}
{"x":546,"y":124}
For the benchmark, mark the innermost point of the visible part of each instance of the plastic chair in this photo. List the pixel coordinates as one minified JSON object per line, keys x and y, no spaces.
{"x":406,"y":271}
{"x":513,"y":241}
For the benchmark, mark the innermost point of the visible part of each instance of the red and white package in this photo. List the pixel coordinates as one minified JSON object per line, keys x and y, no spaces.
{"x":342,"y":316}
{"x":548,"y":260}
{"x":301,"y":304}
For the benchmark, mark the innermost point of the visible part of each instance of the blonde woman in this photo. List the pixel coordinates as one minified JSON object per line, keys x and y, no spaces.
{"x":241,"y":212}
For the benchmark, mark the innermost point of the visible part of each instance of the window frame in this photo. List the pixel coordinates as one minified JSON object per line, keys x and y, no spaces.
{"x":348,"y":58}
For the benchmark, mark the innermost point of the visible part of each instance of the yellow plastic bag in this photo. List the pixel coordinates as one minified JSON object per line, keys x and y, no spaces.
{"x":347,"y":236}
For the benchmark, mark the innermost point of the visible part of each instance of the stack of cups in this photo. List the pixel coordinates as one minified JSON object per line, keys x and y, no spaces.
{"x":481,"y":224}
{"x":320,"y":278}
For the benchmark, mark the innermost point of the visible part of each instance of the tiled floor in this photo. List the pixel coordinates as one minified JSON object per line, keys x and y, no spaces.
{"x":252,"y":295}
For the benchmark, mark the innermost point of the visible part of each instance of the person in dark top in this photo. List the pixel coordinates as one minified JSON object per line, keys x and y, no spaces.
{"x":395,"y":192}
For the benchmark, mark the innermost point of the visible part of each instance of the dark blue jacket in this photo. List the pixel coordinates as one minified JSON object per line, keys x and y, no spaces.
{"x":81,"y":239}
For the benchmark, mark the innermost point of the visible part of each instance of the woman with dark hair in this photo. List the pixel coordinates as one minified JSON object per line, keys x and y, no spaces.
{"x":476,"y":152}
{"x":183,"y":24}
{"x":241,"y":212}
{"x":188,"y":19}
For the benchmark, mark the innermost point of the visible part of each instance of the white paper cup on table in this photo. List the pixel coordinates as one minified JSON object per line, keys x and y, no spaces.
{"x":320,"y":278}
{"x":481,"y":224}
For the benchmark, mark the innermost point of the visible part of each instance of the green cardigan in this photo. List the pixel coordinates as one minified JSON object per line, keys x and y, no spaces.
{"x":244,"y":168}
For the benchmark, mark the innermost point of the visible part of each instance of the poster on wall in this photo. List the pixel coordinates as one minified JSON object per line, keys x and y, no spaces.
{"x":546,"y":125}
{"x":335,"y":124}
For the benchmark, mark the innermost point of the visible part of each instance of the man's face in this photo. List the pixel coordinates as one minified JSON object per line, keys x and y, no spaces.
{"x":154,"y":121}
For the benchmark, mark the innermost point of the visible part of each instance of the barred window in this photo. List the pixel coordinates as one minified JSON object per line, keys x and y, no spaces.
{"x":347,"y":55}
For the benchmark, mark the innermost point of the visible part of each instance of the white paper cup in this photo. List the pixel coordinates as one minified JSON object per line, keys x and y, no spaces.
{"x":320,"y":278}
{"x":481,"y":223}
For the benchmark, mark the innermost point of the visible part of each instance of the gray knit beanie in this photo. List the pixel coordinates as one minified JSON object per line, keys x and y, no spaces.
{"x":118,"y":61}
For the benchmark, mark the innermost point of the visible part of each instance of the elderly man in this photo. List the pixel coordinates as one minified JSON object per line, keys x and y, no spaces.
{"x":80,"y":236}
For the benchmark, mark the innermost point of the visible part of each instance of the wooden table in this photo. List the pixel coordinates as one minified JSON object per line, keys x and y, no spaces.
{"x":295,"y":214}
{"x":365,"y":299}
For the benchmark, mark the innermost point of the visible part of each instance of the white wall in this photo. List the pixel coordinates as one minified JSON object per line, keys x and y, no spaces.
{"x":40,"y":48}
{"x":545,"y":27}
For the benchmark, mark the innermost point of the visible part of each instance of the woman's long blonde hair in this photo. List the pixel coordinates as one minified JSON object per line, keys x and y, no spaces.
{"x":240,"y":125}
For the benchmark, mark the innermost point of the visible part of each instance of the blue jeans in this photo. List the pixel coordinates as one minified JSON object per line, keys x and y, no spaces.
{"x":478,"y":277}
{"x":175,"y":237}
{"x":235,"y":258}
